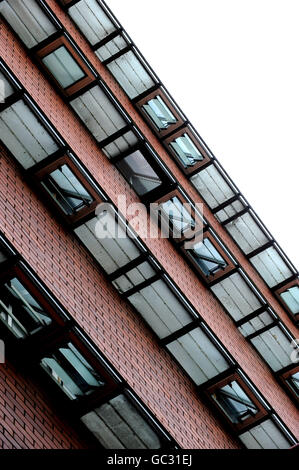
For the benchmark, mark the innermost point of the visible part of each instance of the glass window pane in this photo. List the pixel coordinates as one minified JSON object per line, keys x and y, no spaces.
{"x":291,"y":298}
{"x":234,"y":402}
{"x":119,"y":425}
{"x":198,"y":356}
{"x":19,"y":311}
{"x":28,"y":20}
{"x":177,"y":214}
{"x":159,"y":113}
{"x":160,"y":308}
{"x":271,"y":266}
{"x":25,"y":137}
{"x":63,"y":66}
{"x":186,"y":151}
{"x":67,"y":191}
{"x":265,"y":436}
{"x":134,"y":277}
{"x":207,"y":257}
{"x":275,"y":347}
{"x":293,"y":381}
{"x":69,"y":369}
{"x":139,"y":173}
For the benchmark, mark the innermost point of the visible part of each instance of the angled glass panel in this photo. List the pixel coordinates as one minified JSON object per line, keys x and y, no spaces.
{"x":134,"y":277}
{"x":108,"y":242}
{"x":236,"y":296}
{"x":159,"y":113}
{"x":132,"y":76}
{"x":28,"y":20}
{"x":207,"y":257}
{"x":19,"y":310}
{"x":25,"y":137}
{"x":3,"y":256}
{"x":173,"y":211}
{"x":247,"y":233}
{"x":212,"y":186}
{"x":265,"y":436}
{"x":234,"y":402}
{"x":119,"y":425}
{"x":98,"y":113}
{"x":275,"y":348}
{"x":91,"y":20}
{"x":70,"y":370}
{"x":186,"y":151}
{"x":271,"y":266}
{"x":139,"y":173}
{"x":291,"y":299}
{"x":198,"y":356}
{"x":66,"y":190}
{"x":63,"y":67}
{"x":160,"y":308}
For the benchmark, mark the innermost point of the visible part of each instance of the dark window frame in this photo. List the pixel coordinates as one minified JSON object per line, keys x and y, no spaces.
{"x":48,"y":167}
{"x":294,"y":316}
{"x":200,"y":164}
{"x":159,"y":92}
{"x":80,"y":84}
{"x":284,"y":378}
{"x":248,"y":422}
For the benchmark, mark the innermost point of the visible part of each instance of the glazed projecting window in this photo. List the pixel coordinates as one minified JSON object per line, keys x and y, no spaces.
{"x":19,"y":310}
{"x":65,"y":65}
{"x":140,"y":167}
{"x":118,"y":424}
{"x":64,"y":184}
{"x":72,"y":372}
{"x":289,"y":296}
{"x":236,"y":402}
{"x":66,"y":190}
{"x":292,"y":381}
{"x":208,"y":258}
{"x":160,"y":112}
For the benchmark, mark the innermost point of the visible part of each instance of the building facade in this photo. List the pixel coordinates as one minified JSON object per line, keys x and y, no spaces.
{"x":128,"y":341}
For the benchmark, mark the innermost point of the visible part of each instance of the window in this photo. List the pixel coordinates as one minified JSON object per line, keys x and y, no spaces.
{"x":291,"y":379}
{"x":231,"y":209}
{"x":265,"y":436}
{"x":92,"y":20}
{"x":6,"y":89}
{"x":141,"y":167}
{"x":139,"y":173}
{"x":134,"y":277}
{"x":108,"y":241}
{"x":25,"y":136}
{"x":72,"y":372}
{"x":160,"y":308}
{"x":160,"y":112}
{"x":196,"y":353}
{"x":187,"y":151}
{"x":99,"y":114}
{"x":180,"y":218}
{"x":64,"y":68}
{"x":213,"y":186}
{"x":289,"y":297}
{"x":236,"y":401}
{"x":236,"y":295}
{"x":65,"y":185}
{"x":21,"y":313}
{"x":212,"y":262}
{"x":118,"y":424}
{"x":28,"y":20}
{"x":247,"y":232}
{"x":271,"y":266}
{"x":65,"y":65}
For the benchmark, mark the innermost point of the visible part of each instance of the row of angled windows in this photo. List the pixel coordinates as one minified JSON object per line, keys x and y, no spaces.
{"x":123,"y":144}
{"x":135,"y":277}
{"x":87,"y":387}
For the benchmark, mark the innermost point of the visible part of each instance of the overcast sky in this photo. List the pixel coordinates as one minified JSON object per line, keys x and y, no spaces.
{"x":232,"y":66}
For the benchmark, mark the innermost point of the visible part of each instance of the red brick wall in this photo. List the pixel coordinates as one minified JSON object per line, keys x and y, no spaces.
{"x":27,"y":420}
{"x":68,"y":270}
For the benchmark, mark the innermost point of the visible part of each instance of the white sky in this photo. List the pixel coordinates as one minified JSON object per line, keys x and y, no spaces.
{"x":233,"y":68}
